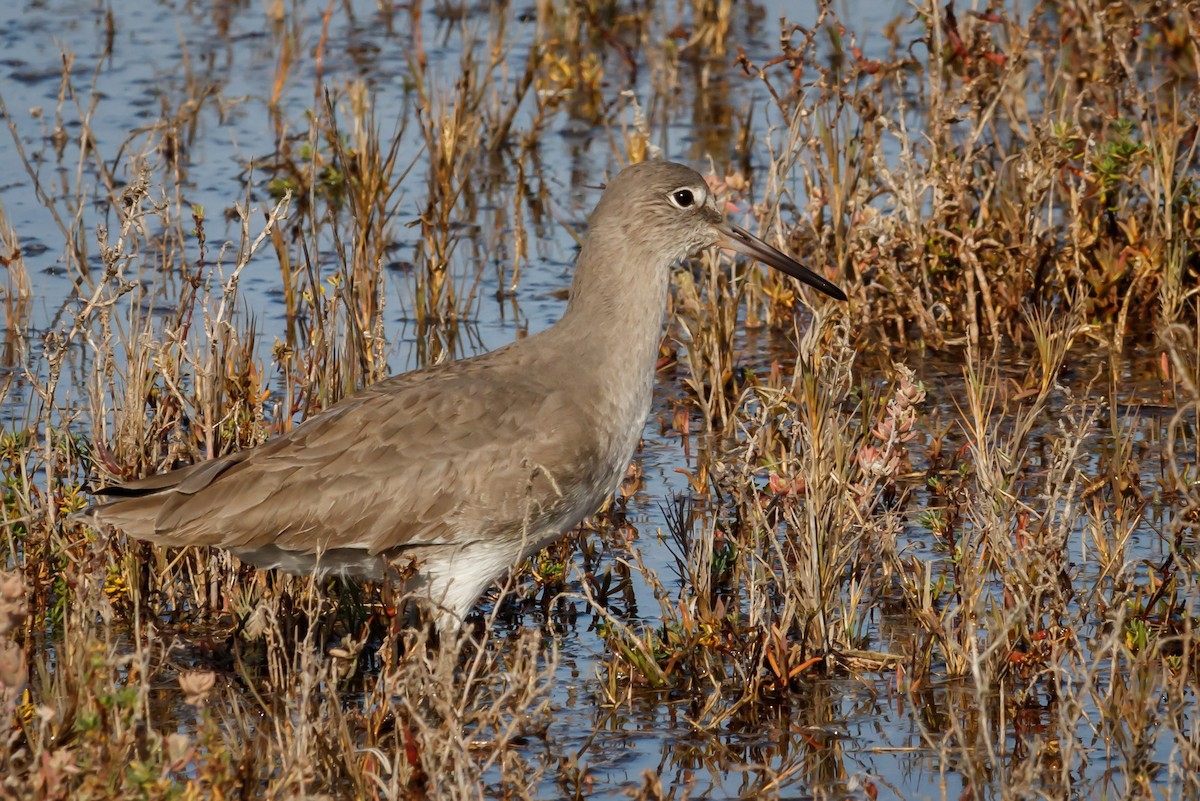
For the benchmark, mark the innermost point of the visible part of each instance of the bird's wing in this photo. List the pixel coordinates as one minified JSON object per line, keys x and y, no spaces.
{"x":412,"y":460}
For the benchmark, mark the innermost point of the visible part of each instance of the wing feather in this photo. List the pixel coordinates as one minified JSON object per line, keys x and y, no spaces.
{"x":417,"y":459}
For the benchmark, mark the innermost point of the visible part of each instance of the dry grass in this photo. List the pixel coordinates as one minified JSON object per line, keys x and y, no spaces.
{"x":1004,"y":551}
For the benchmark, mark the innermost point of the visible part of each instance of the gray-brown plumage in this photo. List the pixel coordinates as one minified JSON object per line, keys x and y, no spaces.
{"x":460,"y":471}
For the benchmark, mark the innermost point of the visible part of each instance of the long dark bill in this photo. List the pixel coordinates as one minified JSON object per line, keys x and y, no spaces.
{"x":739,"y":239}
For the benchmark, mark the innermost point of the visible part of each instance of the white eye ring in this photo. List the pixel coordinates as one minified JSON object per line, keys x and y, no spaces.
{"x":683,"y":198}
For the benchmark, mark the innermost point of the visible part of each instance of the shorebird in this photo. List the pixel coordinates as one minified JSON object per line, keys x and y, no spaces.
{"x":451,"y":475}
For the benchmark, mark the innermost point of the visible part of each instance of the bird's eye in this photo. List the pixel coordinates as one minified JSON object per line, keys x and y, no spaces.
{"x":683,"y":198}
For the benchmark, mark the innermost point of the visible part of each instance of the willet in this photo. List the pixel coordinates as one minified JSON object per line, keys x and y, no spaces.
{"x":451,"y":475}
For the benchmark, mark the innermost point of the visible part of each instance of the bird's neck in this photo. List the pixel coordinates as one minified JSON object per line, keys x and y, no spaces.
{"x":609,"y":339}
{"x":618,"y":301}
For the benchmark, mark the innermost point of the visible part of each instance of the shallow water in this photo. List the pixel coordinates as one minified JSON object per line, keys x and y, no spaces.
{"x":834,"y":739}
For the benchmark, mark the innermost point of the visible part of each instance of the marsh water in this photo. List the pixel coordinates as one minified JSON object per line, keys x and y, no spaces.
{"x":840,"y":736}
